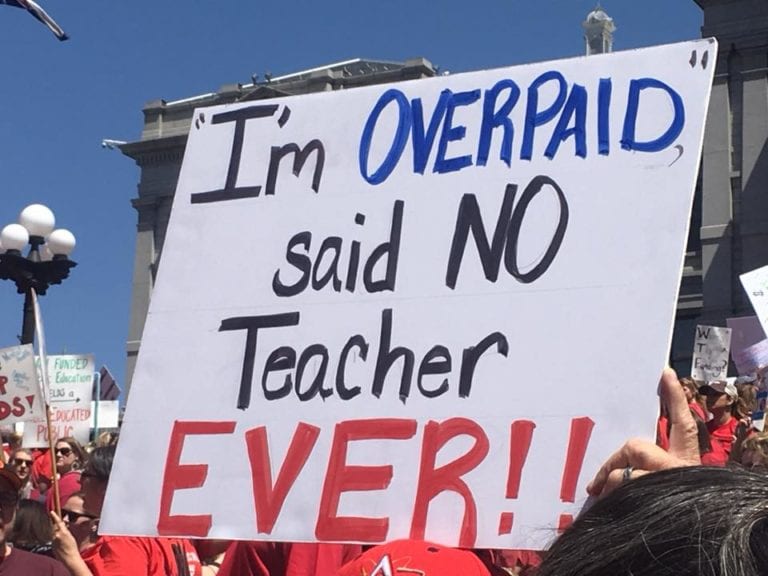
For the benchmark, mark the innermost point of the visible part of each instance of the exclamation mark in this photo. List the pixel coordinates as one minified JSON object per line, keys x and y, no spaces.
{"x":520,"y":434}
{"x":581,"y":430}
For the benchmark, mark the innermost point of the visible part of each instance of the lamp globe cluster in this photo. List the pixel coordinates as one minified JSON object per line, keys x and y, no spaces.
{"x":36,"y":228}
{"x":45,"y":263}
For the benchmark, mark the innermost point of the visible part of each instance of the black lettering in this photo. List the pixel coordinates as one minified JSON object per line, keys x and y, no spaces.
{"x":252,"y":324}
{"x":472,"y":355}
{"x":300,"y":261}
{"x":231,"y":191}
{"x":389,"y":249}
{"x":317,"y":381}
{"x":341,"y":387}
{"x":469,"y":220}
{"x":386,"y":358}
{"x":354,"y":258}
{"x":283,"y":358}
{"x":300,"y":156}
{"x":436,"y":361}
{"x":331,"y":274}
{"x":513,"y":235}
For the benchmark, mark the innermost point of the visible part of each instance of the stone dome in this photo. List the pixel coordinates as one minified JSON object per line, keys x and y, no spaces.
{"x":598,"y":15}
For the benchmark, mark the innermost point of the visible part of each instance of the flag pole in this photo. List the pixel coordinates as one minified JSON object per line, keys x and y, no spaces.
{"x":45,"y":393}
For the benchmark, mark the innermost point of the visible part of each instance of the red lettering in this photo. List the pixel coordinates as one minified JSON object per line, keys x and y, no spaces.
{"x":179,"y":477}
{"x":18,"y":408}
{"x":5,"y":410}
{"x":433,"y":481}
{"x":3,"y":382}
{"x":342,"y":478}
{"x":268,"y":500}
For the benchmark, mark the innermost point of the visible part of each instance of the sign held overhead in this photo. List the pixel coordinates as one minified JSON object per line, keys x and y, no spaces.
{"x":426,"y":292}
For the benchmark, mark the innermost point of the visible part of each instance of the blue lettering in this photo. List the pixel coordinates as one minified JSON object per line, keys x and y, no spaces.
{"x":453,"y":133}
{"x":628,"y":141}
{"x":576,"y":104}
{"x":422,"y":144}
{"x":493,"y":119}
{"x":533,"y":117}
{"x":398,"y":142}
{"x":603,"y":116}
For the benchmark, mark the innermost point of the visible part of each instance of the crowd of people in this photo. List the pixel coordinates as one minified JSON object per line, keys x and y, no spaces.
{"x":693,"y":502}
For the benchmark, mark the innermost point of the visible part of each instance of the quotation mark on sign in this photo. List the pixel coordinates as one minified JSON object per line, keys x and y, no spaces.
{"x":199,"y":120}
{"x":704,"y":59}
{"x":680,"y":150}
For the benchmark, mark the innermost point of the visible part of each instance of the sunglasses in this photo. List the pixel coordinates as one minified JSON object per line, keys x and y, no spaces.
{"x":63,"y":451}
{"x":71,"y":516}
{"x":22,"y":462}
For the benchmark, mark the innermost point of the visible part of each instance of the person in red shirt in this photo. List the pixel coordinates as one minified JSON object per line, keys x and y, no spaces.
{"x":722,"y":402}
{"x":70,"y":458}
{"x":119,"y":555}
{"x":693,"y":397}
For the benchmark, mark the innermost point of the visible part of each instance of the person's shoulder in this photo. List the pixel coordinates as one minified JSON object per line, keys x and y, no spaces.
{"x":26,"y":563}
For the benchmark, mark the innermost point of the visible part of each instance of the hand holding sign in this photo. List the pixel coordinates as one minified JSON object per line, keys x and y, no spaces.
{"x":639,"y":457}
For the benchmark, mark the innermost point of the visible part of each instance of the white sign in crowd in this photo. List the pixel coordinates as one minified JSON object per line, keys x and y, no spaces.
{"x":70,"y":384}
{"x":19,"y":392}
{"x":70,"y":379}
{"x":711,"y":348}
{"x":420,"y":308}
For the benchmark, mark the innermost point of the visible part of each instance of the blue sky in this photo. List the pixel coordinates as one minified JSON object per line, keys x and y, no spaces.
{"x":60,"y":99}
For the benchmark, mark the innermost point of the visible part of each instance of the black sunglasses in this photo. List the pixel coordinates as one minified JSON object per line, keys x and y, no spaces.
{"x":63,"y":451}
{"x":72,"y":516}
{"x":22,"y":462}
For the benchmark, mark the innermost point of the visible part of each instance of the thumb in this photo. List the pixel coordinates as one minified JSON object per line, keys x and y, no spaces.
{"x":683,"y":434}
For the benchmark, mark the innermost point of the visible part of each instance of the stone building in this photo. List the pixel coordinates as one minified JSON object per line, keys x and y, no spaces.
{"x":729,"y":226}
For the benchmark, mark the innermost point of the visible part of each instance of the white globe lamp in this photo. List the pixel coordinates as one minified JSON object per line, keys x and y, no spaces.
{"x":37,"y":219}
{"x":14,"y":237}
{"x":61,"y":242}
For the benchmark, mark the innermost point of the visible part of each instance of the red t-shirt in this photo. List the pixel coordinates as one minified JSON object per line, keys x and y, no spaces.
{"x":69,"y":484}
{"x":721,"y":437}
{"x":127,"y":556}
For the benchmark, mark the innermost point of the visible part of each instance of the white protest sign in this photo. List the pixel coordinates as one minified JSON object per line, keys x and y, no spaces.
{"x":711,"y":347}
{"x":70,"y":378}
{"x":109,"y":414}
{"x":755,"y":284}
{"x":749,"y":346}
{"x":356,"y":350}
{"x":19,"y":392}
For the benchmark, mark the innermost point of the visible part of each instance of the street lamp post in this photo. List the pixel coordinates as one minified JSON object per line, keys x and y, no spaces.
{"x":46,"y":263}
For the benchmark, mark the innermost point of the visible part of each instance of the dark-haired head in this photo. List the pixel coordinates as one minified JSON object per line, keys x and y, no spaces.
{"x":100,"y":463}
{"x":696,"y":521}
{"x":32,"y":528}
{"x":94,"y":478}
